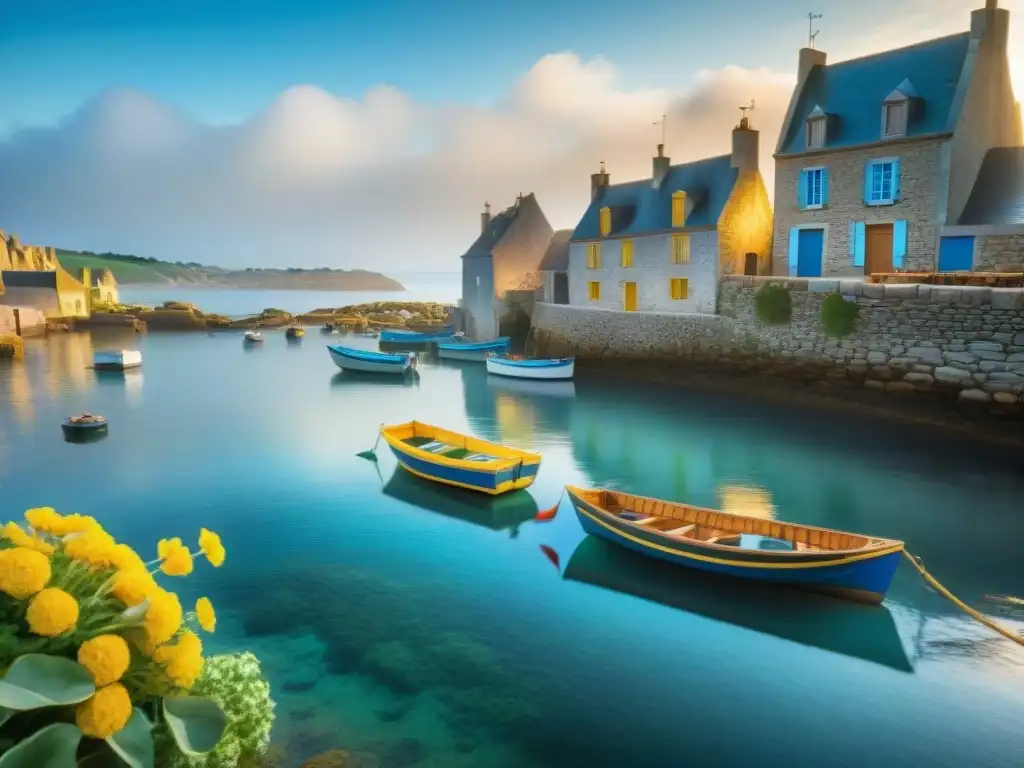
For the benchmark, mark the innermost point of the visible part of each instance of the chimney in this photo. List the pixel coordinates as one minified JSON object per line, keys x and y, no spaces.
{"x":660,"y":168}
{"x":745,"y":142}
{"x":599,"y":181}
{"x":809,"y":58}
{"x":991,"y":25}
{"x":485,"y":217}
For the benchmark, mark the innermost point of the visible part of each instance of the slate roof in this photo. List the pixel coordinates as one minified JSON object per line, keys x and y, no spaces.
{"x":556,"y":257}
{"x":484,"y":245}
{"x":852,"y":92}
{"x":638,"y":208}
{"x":998,"y":194}
{"x":26,"y":278}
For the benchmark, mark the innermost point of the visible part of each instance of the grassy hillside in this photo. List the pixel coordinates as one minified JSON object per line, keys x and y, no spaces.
{"x":128,"y":271}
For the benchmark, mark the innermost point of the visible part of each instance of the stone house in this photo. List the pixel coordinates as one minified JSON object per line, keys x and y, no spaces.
{"x":504,"y":259}
{"x":53,"y":292}
{"x":102,"y":285}
{"x":660,"y":244}
{"x":554,"y":269}
{"x":877,"y":155}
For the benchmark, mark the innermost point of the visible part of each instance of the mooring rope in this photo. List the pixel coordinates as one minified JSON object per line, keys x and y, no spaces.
{"x":977,"y":615}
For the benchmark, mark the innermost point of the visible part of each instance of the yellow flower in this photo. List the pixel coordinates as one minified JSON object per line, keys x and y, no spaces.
{"x":23,"y":572}
{"x":163,"y":617}
{"x":209,"y":543}
{"x":124,"y":558}
{"x":132,"y":587}
{"x":44,"y":519}
{"x":18,"y":536}
{"x":183,"y":661}
{"x":52,"y":612}
{"x":93,"y":547}
{"x":106,"y":713}
{"x":78,"y":524}
{"x":177,"y":561}
{"x":205,"y":614}
{"x":106,"y":657}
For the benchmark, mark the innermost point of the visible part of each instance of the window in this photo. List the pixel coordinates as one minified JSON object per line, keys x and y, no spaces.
{"x":78,"y":306}
{"x":627,"y":253}
{"x":678,"y":209}
{"x":594,"y":291}
{"x":814,"y":192}
{"x":816,"y":132}
{"x":679,"y":288}
{"x":881,"y":182}
{"x":680,"y":249}
{"x":606,"y":221}
{"x":894,"y":118}
{"x":593,"y":255}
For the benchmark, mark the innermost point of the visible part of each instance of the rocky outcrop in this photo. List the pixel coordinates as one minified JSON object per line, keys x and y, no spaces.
{"x":14,"y":255}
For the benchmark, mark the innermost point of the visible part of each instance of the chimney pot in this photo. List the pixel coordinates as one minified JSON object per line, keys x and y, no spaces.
{"x":485,"y":217}
{"x":599,"y":181}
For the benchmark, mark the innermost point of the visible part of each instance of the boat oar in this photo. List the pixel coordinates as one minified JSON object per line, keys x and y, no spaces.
{"x":547,"y":515}
{"x":371,"y":455}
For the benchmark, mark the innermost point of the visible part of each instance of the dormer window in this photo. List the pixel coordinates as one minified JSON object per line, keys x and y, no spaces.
{"x":679,"y":209}
{"x":817,"y":122}
{"x":606,"y":221}
{"x":896,"y":110}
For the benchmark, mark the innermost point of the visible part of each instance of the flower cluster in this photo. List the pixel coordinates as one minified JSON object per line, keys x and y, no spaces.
{"x":81,"y":595}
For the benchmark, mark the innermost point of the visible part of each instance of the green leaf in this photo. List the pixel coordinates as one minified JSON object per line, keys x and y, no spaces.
{"x":196,"y":723}
{"x":6,"y":714}
{"x":134,"y":742}
{"x":36,"y":680}
{"x":54,"y":746}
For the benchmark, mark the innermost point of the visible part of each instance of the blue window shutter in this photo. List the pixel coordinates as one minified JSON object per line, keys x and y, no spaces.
{"x":867,"y":182}
{"x":899,"y":243}
{"x":824,"y":186}
{"x":896,"y":180}
{"x":801,"y":191}
{"x":794,"y":250}
{"x":857,"y":238}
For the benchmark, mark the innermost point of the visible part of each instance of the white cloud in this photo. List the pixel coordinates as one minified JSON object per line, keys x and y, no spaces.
{"x":383,"y":182}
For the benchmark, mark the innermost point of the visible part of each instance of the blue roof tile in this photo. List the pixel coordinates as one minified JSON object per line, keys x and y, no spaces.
{"x":852,"y":92}
{"x":638,"y":208}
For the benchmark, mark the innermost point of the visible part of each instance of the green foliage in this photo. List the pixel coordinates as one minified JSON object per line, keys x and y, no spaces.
{"x":196,"y":723}
{"x":134,"y":743}
{"x":838,"y":316}
{"x":54,"y":746}
{"x":773,"y":304}
{"x":36,"y":680}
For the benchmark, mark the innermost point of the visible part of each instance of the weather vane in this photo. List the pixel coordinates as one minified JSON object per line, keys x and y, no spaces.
{"x":812,"y":33}
{"x":743,"y":112}
{"x":662,"y":123}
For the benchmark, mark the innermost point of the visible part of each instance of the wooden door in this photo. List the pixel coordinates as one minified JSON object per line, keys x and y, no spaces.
{"x":810,"y":246}
{"x":629,"y":297}
{"x":750,"y":264}
{"x":956,"y":254}
{"x":878,"y":249}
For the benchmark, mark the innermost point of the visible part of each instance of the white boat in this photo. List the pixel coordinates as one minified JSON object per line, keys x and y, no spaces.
{"x":368,"y":361}
{"x":116,"y":360}
{"x":550,"y":369}
{"x":253,"y":337}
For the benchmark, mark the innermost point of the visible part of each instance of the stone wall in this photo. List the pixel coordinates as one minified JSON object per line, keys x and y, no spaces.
{"x":32,"y":320}
{"x":999,"y":253}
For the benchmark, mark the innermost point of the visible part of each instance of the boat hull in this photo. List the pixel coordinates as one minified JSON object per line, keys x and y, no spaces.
{"x":370,"y":362}
{"x":117,"y":361}
{"x":538,"y":370}
{"x":492,"y":478}
{"x":864,"y":577}
{"x":472,"y":351}
{"x":411,"y":337}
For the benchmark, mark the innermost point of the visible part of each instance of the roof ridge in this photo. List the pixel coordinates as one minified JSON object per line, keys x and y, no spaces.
{"x":877,"y":54}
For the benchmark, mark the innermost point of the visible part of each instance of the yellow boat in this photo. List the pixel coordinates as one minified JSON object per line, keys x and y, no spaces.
{"x":443,"y":456}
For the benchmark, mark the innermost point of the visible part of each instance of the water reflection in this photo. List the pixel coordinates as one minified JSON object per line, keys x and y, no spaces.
{"x":68,"y":361}
{"x":559,"y":389}
{"x":360,"y":380}
{"x":861,"y":631}
{"x":129,"y":380}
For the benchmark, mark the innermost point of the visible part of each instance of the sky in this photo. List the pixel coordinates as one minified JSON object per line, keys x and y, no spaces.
{"x":348,"y":134}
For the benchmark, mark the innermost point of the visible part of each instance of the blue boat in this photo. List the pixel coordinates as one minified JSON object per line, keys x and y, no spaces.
{"x":368,"y":361}
{"x":847,"y":565}
{"x":84,"y":428}
{"x":543,"y":369}
{"x":413,"y":337}
{"x":472,"y":350}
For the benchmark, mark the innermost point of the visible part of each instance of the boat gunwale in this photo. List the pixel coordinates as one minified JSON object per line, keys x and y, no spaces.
{"x":369,"y":355}
{"x":877,"y":546}
{"x":474,"y":346}
{"x":496,"y":465}
{"x":547,"y":362}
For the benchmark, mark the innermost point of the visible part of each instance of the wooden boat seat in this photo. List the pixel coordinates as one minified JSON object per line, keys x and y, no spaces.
{"x":682,"y":530}
{"x":645,"y":521}
{"x":478,"y":457}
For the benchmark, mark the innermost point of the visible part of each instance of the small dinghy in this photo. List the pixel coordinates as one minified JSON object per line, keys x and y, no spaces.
{"x":327,"y":328}
{"x":88,"y":426}
{"x":368,"y":361}
{"x":847,"y":565}
{"x":551,"y":369}
{"x":253,"y":337}
{"x":116,"y":360}
{"x":294,"y":332}
{"x":455,"y":459}
{"x":458,"y":349}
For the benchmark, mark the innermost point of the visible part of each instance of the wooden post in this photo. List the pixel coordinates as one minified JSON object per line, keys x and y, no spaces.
{"x":17,"y":322}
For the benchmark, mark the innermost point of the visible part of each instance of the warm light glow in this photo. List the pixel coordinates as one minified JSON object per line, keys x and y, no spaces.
{"x":516,"y":419}
{"x":746,"y":500}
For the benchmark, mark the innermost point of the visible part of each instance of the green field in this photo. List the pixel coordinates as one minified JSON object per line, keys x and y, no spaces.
{"x":125,"y":271}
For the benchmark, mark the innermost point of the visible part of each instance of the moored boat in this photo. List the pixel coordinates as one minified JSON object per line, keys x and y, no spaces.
{"x":253,"y":337}
{"x":472,"y":350}
{"x":543,"y":368}
{"x":455,"y":459}
{"x":87,"y":426}
{"x":293,"y":332}
{"x":369,"y":361}
{"x":847,"y":565}
{"x":414,"y":337}
{"x":116,"y":360}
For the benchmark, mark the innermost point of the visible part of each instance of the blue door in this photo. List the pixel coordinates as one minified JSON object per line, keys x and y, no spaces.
{"x":956,"y":254}
{"x":808,"y":262}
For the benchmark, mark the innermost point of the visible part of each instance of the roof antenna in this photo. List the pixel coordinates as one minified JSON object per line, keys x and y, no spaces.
{"x":812,"y":33}
{"x":744,"y":120}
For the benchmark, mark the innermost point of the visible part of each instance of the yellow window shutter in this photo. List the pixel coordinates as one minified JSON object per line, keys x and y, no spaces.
{"x":594,"y":289}
{"x":679,"y":288}
{"x":678,"y":209}
{"x":680,"y":249}
{"x":627,"y":253}
{"x":606,"y":221}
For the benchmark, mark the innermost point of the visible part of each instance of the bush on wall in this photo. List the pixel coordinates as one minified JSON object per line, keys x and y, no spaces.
{"x":838,"y":316}
{"x":773,"y":305}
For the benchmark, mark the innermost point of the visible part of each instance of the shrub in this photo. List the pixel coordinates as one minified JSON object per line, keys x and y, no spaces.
{"x":773,"y":305}
{"x":838,"y":316}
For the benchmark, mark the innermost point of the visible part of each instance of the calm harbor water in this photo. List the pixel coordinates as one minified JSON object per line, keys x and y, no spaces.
{"x":423,"y":627}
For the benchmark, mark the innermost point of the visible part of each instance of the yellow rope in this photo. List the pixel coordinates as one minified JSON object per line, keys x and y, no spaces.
{"x":961,"y":604}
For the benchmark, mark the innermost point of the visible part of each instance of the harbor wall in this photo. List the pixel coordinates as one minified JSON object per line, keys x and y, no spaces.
{"x":946,"y":342}
{"x":32,"y":321}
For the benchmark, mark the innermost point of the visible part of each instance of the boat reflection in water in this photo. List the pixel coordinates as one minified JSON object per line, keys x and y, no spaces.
{"x":354,"y":379}
{"x":505,"y":512}
{"x":866,"y":632}
{"x":554,"y":388}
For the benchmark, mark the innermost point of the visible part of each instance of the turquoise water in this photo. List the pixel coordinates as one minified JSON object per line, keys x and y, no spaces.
{"x":419,"y":626}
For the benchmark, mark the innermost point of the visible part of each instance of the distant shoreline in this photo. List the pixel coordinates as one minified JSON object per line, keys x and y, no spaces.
{"x":229,"y":287}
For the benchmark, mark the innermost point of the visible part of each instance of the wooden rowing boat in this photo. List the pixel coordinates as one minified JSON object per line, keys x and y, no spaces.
{"x":455,"y":459}
{"x":847,"y":565}
{"x":369,"y":361}
{"x":538,"y":369}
